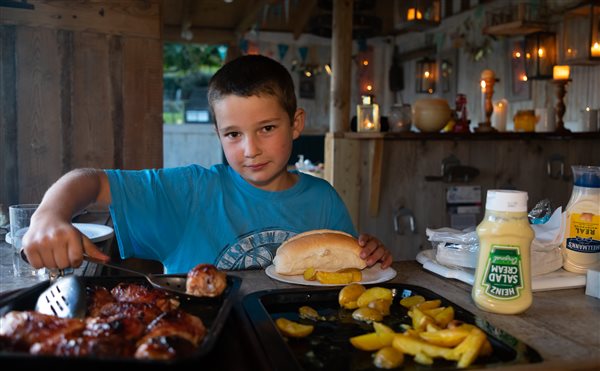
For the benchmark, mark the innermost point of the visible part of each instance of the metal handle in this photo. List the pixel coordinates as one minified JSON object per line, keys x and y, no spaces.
{"x":555,"y":159}
{"x":53,"y":273}
{"x":404,"y":213}
{"x":101,"y":262}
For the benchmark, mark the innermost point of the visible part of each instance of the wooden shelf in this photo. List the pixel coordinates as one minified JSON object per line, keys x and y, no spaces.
{"x":471,"y":136}
{"x":516,"y":28}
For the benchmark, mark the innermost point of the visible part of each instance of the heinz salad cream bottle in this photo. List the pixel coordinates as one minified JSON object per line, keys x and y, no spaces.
{"x":503,"y":274}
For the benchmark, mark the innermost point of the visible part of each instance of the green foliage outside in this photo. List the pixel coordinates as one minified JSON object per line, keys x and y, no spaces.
{"x":186,"y":66}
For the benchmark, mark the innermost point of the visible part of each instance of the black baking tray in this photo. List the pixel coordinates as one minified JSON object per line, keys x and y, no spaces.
{"x":328,"y":347}
{"x":212,"y":311}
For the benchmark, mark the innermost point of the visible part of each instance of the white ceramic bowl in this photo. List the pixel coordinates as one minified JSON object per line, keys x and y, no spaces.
{"x":430,"y":115}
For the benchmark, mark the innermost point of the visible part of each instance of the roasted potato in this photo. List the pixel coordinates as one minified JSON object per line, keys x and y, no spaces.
{"x":388,"y":357}
{"x":411,"y":301}
{"x":367,"y":314}
{"x":373,"y":294}
{"x":310,"y":274}
{"x":380,"y":327}
{"x":349,"y":294}
{"x":293,"y":329}
{"x":372,"y":341}
{"x":334,"y":278}
{"x":356,"y":273}
{"x":307,"y":312}
{"x":381,"y":305}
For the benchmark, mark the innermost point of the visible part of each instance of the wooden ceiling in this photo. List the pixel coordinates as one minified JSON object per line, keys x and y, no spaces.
{"x":225,"y":21}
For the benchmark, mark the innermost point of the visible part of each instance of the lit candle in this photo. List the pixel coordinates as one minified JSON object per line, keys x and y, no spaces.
{"x":499,"y":116}
{"x":596,"y":49}
{"x":561,"y":72}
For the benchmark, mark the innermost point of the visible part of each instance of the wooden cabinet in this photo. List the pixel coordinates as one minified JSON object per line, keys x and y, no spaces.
{"x":390,"y":171}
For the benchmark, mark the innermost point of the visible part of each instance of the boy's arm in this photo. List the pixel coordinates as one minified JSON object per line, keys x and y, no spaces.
{"x":51,"y":240}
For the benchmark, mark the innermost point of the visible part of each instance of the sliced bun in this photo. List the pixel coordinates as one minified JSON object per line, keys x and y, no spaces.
{"x":324,"y":250}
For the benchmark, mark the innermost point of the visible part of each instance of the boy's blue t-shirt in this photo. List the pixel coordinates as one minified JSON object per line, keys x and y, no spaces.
{"x":190,"y":215}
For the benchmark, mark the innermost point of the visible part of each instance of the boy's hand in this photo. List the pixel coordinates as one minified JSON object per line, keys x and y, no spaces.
{"x":53,"y":243}
{"x":374,"y":251}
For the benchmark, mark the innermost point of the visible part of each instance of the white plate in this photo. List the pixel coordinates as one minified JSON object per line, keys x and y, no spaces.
{"x":370,"y":275}
{"x":95,"y":232}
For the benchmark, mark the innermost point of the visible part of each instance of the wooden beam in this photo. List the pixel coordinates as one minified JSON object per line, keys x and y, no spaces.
{"x":132,"y":18}
{"x":251,"y":15}
{"x":186,"y":20}
{"x":200,"y":35}
{"x":375,"y":164}
{"x":341,"y":56}
{"x":303,"y":17}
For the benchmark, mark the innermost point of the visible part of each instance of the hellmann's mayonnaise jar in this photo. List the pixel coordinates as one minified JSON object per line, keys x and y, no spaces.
{"x":581,"y":244}
{"x":503,"y":274}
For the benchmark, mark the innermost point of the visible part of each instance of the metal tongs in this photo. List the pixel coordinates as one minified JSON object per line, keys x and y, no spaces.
{"x":174,"y":285}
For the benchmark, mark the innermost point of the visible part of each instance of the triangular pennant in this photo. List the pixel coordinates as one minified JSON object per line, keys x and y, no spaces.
{"x":282,"y":48}
{"x":303,"y":51}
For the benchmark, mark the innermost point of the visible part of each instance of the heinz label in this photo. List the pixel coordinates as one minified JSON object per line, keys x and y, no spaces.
{"x":503,"y":275}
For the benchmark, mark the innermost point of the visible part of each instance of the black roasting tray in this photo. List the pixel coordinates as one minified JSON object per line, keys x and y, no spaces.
{"x":212,"y":311}
{"x":328,"y":347}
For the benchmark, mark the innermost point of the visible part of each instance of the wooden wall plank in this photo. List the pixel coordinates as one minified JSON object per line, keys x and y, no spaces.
{"x":133,"y":17}
{"x":92,"y":129}
{"x":9,"y":193}
{"x":142,"y":112}
{"x":38,"y":111}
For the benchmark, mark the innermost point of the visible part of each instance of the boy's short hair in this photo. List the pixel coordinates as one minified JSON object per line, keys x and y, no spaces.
{"x":253,"y":75}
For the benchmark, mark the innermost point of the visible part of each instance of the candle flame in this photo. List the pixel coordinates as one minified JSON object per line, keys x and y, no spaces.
{"x":541,"y":52}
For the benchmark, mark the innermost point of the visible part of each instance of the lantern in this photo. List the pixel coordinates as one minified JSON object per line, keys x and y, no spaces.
{"x":581,"y":34}
{"x":367,"y":115}
{"x":426,"y":76}
{"x":540,"y":55}
{"x":416,"y":15}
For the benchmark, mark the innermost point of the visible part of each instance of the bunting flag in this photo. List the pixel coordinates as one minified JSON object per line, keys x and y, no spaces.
{"x":282,"y":49}
{"x":362,"y":45}
{"x":303,"y":51}
{"x":244,"y":46}
{"x":222,"y":49}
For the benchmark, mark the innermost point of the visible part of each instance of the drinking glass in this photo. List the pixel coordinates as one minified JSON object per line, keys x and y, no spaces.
{"x":20,"y":218}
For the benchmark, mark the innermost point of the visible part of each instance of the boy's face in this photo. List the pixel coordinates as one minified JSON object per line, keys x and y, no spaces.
{"x":256,"y":135}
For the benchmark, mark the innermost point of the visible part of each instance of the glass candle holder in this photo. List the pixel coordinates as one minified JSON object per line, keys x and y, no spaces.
{"x":367,"y":117}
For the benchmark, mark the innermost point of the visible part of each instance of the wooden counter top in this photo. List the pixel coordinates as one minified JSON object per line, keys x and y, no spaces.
{"x":563,"y":325}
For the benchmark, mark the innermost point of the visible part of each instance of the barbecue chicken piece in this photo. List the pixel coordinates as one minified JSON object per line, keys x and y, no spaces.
{"x":175,"y":323}
{"x":133,"y":293}
{"x":98,"y":297}
{"x":205,"y":280}
{"x":164,"y":347}
{"x":84,"y":345}
{"x":20,"y":330}
{"x":127,"y":320}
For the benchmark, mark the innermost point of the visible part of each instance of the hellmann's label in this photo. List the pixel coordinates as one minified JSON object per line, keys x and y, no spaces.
{"x":584,"y":235}
{"x":503,"y":276}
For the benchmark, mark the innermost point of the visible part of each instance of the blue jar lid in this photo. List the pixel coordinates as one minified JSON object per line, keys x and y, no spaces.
{"x":586,"y":176}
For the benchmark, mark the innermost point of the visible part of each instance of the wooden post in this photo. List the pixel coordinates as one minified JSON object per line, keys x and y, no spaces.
{"x":341,"y":56}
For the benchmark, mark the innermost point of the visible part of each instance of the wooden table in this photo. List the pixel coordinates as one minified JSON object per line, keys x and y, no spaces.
{"x":563,"y":326}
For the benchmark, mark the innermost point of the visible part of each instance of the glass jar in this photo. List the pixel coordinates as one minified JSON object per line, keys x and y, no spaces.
{"x":400,"y":118}
{"x":525,"y":120}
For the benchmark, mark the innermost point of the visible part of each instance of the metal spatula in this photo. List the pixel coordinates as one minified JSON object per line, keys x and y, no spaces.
{"x":65,"y":298}
{"x":175,"y":285}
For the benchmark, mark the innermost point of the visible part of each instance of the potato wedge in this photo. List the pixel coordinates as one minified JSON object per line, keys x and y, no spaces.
{"x":367,"y":314}
{"x":372,"y":294}
{"x":446,"y":337}
{"x":372,"y":341}
{"x":356,"y":273}
{"x":293,"y":329}
{"x":410,"y":301}
{"x":380,"y":327}
{"x":381,"y":305}
{"x":349,"y":294}
{"x":433,"y":312}
{"x":430,"y":304}
{"x":307,"y":312}
{"x":423,"y":359}
{"x":413,"y":346}
{"x":419,"y":319}
{"x":444,"y":317}
{"x":468,"y":350}
{"x":310,"y":274}
{"x":388,"y":357}
{"x":334,"y":278}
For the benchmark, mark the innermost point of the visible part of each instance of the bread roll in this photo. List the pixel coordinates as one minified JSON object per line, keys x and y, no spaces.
{"x":324,"y":250}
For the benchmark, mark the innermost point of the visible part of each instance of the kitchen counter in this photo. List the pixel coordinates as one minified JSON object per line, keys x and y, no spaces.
{"x":563,"y":326}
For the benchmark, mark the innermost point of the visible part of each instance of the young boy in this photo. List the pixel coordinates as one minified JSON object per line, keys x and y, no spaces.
{"x":234,"y":216}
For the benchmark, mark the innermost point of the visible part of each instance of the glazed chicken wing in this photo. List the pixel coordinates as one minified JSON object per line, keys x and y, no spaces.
{"x":97,"y":298}
{"x":134,"y":293}
{"x":20,"y":330}
{"x":205,"y":280}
